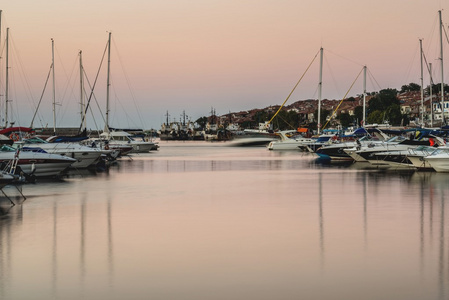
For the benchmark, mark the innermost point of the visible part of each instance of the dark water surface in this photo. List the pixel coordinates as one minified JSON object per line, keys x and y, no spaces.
{"x":204,"y":221}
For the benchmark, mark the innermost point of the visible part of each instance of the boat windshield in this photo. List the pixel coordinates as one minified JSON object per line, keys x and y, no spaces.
{"x":439,"y":151}
{"x":396,"y":139}
{"x":34,"y":140}
{"x":6,"y":148}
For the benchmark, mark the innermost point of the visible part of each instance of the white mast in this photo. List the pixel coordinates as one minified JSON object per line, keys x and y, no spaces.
{"x":108,"y":84}
{"x":53,"y":74}
{"x":364,"y":97}
{"x":422,"y":85}
{"x":7,"y":78}
{"x":82,"y":104}
{"x":442,"y":71}
{"x":431,"y":96}
{"x":0,"y":43}
{"x":320,"y":85}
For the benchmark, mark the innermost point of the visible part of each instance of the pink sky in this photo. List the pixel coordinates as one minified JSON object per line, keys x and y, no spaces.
{"x":193,"y":55}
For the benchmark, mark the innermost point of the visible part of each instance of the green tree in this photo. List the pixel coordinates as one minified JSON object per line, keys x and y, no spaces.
{"x":286,"y":120}
{"x":411,"y":87}
{"x":346,"y":119}
{"x":383,"y":99}
{"x":394,"y":114}
{"x":436,"y":88}
{"x":261,"y":116}
{"x":324,"y":114}
{"x":358,"y":114}
{"x":376,"y":117}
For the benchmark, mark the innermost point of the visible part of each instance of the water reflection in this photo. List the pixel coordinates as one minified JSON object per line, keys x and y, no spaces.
{"x":442,"y":268}
{"x":110,"y":244}
{"x":238,"y":225}
{"x":83,"y":208}
{"x":321,"y":220}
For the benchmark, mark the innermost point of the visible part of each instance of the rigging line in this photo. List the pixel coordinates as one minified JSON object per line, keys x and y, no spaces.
{"x":42,"y":96}
{"x":93,"y":87}
{"x":2,"y":49}
{"x":67,"y":88}
{"x":128,"y":82}
{"x":428,"y":68}
{"x":373,"y":78}
{"x":95,"y":98}
{"x":445,"y":34}
{"x":341,"y":56}
{"x":288,"y":97}
{"x":128,"y":117}
{"x":95,"y":122}
{"x":432,"y":33}
{"x":411,"y":64}
{"x":335,"y":110}
{"x":332,"y":75}
{"x":22,"y":72}
{"x":290,"y":125}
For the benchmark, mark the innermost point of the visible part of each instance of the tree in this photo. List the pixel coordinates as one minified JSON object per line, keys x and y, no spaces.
{"x":411,"y":87}
{"x":382,"y":100}
{"x":261,"y":116}
{"x":375,"y":117}
{"x":345,"y":119}
{"x":394,"y":114}
{"x":324,"y":114}
{"x":286,"y":120}
{"x":436,"y":88}
{"x":378,"y":107}
{"x":358,"y":114}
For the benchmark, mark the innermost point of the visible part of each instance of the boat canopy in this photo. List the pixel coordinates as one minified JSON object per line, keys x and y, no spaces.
{"x":9,"y":130}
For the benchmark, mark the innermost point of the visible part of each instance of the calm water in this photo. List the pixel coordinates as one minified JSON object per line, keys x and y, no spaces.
{"x":204,"y":221}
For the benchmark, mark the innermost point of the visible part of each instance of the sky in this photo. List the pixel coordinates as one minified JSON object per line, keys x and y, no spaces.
{"x":195,"y":56}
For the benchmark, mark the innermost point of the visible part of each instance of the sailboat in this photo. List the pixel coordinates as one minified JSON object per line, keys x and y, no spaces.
{"x":119,"y":139}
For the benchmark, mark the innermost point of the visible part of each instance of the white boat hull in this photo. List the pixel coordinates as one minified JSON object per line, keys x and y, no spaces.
{"x":439,"y":163}
{"x":39,"y":164}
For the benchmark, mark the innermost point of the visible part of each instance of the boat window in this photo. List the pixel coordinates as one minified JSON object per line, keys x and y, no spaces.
{"x":5,"y":148}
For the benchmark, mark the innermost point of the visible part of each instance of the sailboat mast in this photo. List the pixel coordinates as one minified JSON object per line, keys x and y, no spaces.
{"x":7,"y":78}
{"x":422,"y":85}
{"x":108,"y":82}
{"x":53,"y":75}
{"x":0,"y":42}
{"x":442,"y":71}
{"x":431,"y":96}
{"x":320,"y":85}
{"x":82,"y":104}
{"x":364,"y":96}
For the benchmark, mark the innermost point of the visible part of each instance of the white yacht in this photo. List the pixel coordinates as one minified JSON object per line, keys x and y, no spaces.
{"x":84,"y":156}
{"x":439,"y":159}
{"x":38,"y":163}
{"x":289,"y":140}
{"x":116,"y":138}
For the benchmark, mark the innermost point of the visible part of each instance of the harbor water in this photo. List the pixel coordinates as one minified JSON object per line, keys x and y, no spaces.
{"x":200,"y":220}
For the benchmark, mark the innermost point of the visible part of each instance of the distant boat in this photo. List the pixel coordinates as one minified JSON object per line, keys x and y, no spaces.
{"x":122,"y":138}
{"x":289,"y":140}
{"x":255,"y":137}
